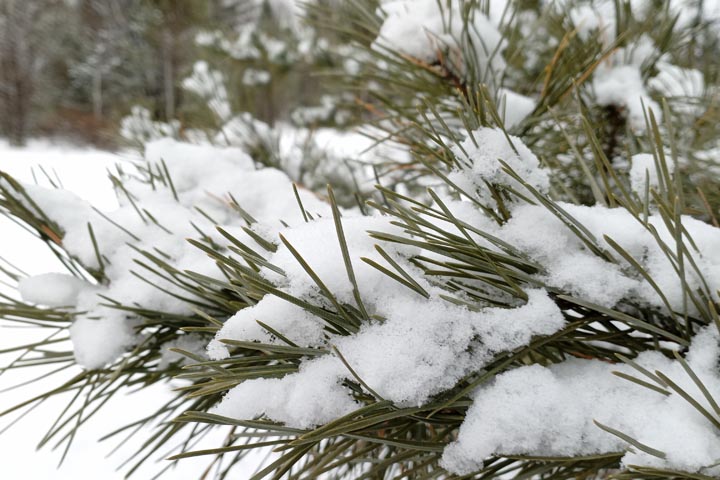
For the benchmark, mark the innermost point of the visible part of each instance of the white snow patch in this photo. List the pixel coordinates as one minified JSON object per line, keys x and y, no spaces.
{"x":101,"y":338}
{"x":483,"y":149}
{"x":643,"y":173}
{"x":684,"y":84}
{"x":201,"y":176}
{"x":422,"y":29}
{"x":51,"y":289}
{"x":623,"y":87}
{"x":514,"y":107}
{"x":510,"y":415}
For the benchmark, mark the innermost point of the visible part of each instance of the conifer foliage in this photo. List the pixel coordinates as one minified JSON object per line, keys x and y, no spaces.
{"x":499,"y":256}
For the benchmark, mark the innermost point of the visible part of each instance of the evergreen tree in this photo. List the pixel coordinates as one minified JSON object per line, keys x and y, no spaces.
{"x":530,"y":290}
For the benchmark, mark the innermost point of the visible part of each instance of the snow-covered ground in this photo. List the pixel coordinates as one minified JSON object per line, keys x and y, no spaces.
{"x":82,"y":171}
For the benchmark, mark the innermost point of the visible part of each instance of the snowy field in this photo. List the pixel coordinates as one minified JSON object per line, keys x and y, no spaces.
{"x":82,"y":171}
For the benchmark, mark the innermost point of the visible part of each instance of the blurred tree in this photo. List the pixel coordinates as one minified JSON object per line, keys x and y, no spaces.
{"x":75,"y":67}
{"x":18,"y":65}
{"x":172,"y":36}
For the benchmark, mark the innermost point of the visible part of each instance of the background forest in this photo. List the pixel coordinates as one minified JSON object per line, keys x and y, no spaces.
{"x":75,"y":68}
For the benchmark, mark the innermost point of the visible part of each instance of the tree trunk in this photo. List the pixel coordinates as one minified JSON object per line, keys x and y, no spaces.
{"x":97,"y":94}
{"x":16,"y":58}
{"x":168,"y":74}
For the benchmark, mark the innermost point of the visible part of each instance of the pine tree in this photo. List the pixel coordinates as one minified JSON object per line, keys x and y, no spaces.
{"x":530,"y":290}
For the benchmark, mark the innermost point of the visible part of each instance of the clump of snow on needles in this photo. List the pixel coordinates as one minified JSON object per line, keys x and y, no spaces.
{"x":572,"y":267}
{"x":202,"y":177}
{"x":410,"y":347}
{"x":567,"y":262}
{"x":405,"y":357}
{"x":51,"y":289}
{"x":424,"y":28}
{"x":514,"y":107}
{"x":589,"y":19}
{"x":644,"y":173}
{"x":618,"y":79}
{"x":102,"y":336}
{"x":480,"y":156}
{"x":295,"y":323}
{"x":509,"y":416}
{"x":685,"y":84}
{"x":623,"y":86}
